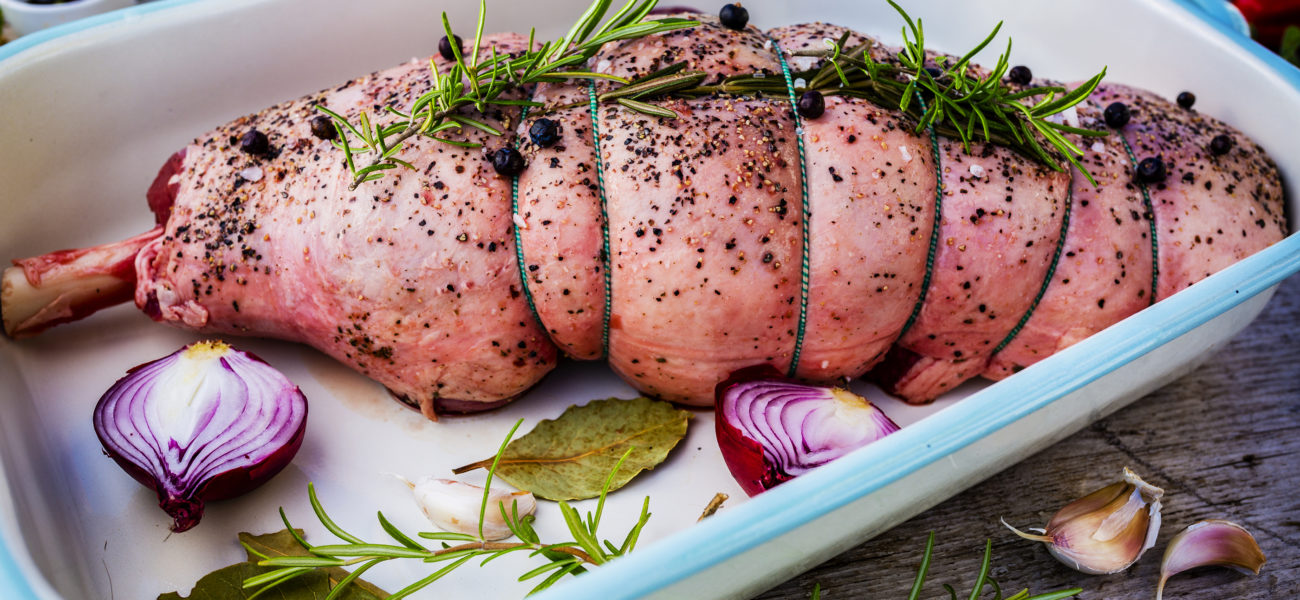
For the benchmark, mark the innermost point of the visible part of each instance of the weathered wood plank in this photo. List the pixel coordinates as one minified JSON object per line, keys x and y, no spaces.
{"x":1224,"y":442}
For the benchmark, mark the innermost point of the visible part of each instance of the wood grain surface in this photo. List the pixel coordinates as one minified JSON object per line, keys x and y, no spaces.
{"x":1224,"y":443}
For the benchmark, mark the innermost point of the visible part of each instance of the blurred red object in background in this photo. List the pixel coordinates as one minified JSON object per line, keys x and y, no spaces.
{"x":1275,"y":24}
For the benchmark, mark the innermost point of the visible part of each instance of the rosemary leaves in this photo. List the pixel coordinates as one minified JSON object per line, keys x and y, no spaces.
{"x":478,"y":81}
{"x":943,"y":92}
{"x":570,"y":557}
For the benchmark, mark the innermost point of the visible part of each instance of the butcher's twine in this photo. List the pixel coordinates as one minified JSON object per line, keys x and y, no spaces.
{"x":1151,"y":212}
{"x":604,"y":219}
{"x":519,"y":242}
{"x":934,"y":229}
{"x":805,"y":259}
{"x":1047,"y":279}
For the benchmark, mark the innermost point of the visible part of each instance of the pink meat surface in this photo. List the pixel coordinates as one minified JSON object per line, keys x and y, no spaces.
{"x":1000,"y":223}
{"x":1104,"y":272}
{"x":415,"y":279}
{"x":1210,"y":210}
{"x":560,"y":225}
{"x":411,"y":279}
{"x":871,"y":183}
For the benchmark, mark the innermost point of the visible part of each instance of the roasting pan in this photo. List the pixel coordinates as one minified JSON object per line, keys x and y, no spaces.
{"x":89,"y":111}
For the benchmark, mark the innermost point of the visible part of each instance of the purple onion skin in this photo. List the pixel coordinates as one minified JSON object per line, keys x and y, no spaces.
{"x":186,"y":512}
{"x":746,"y":457}
{"x":186,"y":506}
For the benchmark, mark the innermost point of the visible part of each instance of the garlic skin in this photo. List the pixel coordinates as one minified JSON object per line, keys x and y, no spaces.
{"x":1210,"y":543}
{"x":454,"y":506}
{"x":1107,"y":530}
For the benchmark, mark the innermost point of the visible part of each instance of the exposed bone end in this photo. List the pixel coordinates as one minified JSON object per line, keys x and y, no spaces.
{"x":42,"y":291}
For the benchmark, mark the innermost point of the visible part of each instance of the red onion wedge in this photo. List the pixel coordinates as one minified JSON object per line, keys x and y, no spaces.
{"x":772,"y":428}
{"x":207,"y":422}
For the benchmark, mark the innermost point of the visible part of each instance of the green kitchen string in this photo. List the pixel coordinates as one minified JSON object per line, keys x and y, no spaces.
{"x":519,"y":242}
{"x":604,"y":219}
{"x":1047,"y":279}
{"x":934,"y":230}
{"x":805,"y":261}
{"x":1151,"y":210}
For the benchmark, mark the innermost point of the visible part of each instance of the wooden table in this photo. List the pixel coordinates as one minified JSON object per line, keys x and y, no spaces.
{"x":1224,"y":442}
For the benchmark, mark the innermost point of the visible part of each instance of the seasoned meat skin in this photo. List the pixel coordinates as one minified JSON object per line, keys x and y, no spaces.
{"x":1000,"y":222}
{"x":1210,"y":211}
{"x":410,"y":279}
{"x":705,"y":220}
{"x":871,"y":186}
{"x":1104,"y":271}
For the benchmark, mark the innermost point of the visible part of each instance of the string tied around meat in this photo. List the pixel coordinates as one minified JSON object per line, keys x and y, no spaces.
{"x":1047,"y":279}
{"x":519,"y":241}
{"x":1151,"y":213}
{"x":805,"y":260}
{"x":604,"y":220}
{"x":934,"y":229}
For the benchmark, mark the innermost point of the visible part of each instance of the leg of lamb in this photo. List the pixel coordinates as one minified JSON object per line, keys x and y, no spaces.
{"x":714,"y":261}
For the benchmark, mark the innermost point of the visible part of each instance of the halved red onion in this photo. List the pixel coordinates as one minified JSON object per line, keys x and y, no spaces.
{"x":207,"y":422}
{"x":772,"y":428}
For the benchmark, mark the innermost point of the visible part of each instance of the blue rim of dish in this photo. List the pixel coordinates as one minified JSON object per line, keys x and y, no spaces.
{"x":804,"y":499}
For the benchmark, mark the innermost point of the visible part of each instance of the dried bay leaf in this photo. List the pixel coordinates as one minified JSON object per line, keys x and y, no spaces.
{"x":227,"y":583}
{"x":569,"y":458}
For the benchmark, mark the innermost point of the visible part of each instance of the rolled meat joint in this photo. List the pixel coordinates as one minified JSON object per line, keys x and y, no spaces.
{"x":678,"y":249}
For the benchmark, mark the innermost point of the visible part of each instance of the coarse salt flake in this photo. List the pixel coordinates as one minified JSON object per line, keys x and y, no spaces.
{"x":907,"y":156}
{"x":800,"y":82}
{"x":1098,"y":147}
{"x":1070,"y":116}
{"x":977,"y":170}
{"x":519,"y":221}
{"x":603,"y":66}
{"x":252,"y":173}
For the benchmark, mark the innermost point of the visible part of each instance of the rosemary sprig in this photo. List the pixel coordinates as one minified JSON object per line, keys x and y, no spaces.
{"x":570,"y":557}
{"x":941,"y":93}
{"x":479,"y":82}
{"x":982,"y":581}
{"x":950,"y":99}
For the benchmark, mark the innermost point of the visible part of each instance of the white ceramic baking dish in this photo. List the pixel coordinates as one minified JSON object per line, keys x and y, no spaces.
{"x":88,"y":112}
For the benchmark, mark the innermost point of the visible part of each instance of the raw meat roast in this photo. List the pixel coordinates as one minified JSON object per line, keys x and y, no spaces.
{"x":927,"y":264}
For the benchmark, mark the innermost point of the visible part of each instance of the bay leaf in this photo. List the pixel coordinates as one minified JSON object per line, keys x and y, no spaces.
{"x":570,"y":457}
{"x":227,"y":583}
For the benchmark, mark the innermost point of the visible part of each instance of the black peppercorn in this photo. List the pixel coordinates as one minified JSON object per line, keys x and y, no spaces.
{"x":1151,"y":170}
{"x":544,"y":132}
{"x":734,"y":16}
{"x":1117,"y":115}
{"x":323,"y":128}
{"x":1020,"y":74}
{"x":254,"y":142}
{"x":508,"y":162}
{"x":445,"y":49}
{"x":935,"y":72}
{"x":811,"y":105}
{"x":1186,"y":99}
{"x":1221,"y":144}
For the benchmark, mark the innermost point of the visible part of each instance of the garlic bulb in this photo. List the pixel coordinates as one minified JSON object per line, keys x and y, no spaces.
{"x":1210,"y":543}
{"x":1106,"y":531}
{"x":454,"y":506}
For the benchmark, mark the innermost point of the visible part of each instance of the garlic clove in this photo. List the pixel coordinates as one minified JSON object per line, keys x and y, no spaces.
{"x":1210,"y":543}
{"x":454,"y":506}
{"x":1107,"y":530}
